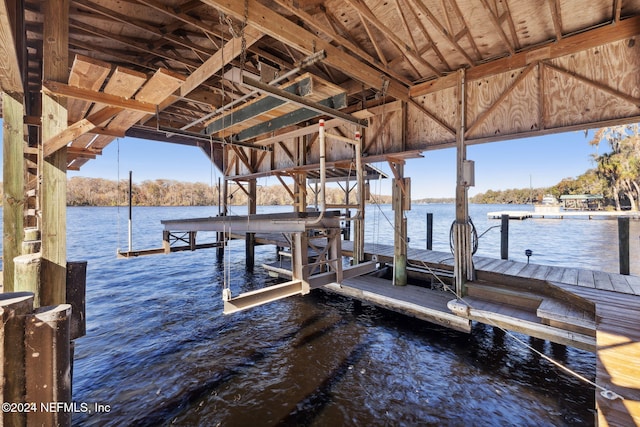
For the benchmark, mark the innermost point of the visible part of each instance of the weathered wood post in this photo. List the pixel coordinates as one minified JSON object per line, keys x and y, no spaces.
{"x":400,"y":196}
{"x":222,"y":211}
{"x":623,"y":247}
{"x":504,"y":236}
{"x":429,"y":231}
{"x":13,"y":309}
{"x":13,"y":179}
{"x":28,"y":269}
{"x":463,"y":263}
{"x":358,"y":223}
{"x":55,"y":67}
{"x":48,"y":365}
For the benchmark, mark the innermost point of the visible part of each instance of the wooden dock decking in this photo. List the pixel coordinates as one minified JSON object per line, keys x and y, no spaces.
{"x":611,"y":328}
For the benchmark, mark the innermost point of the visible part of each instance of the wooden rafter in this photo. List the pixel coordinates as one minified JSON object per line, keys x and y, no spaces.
{"x":556,"y":17}
{"x":431,"y":45}
{"x":364,"y":11}
{"x":496,"y":24}
{"x":442,"y":30}
{"x":164,"y":35}
{"x":271,"y":23}
{"x":335,"y":37}
{"x":406,"y":26}
{"x":381,"y":56}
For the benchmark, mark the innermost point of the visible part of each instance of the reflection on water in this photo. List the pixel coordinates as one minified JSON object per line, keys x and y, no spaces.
{"x":160,"y":352}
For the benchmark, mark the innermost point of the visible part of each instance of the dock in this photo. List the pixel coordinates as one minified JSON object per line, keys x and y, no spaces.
{"x":563,"y":214}
{"x":592,"y":310}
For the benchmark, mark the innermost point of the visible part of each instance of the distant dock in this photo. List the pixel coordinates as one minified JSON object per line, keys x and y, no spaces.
{"x":560,"y":214}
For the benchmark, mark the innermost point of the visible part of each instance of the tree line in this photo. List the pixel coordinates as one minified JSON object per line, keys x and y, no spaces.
{"x":82,"y":191}
{"x":616,"y":175}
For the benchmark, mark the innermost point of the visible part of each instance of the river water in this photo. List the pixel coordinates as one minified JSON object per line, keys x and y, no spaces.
{"x":159,"y":351}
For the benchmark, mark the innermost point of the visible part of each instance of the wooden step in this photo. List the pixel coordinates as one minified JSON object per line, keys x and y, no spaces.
{"x":503,"y":295}
{"x":561,"y":314}
{"x":523,"y":321}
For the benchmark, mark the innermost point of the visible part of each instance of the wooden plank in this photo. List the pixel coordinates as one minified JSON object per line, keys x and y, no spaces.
{"x":619,"y":284}
{"x":86,"y":73}
{"x":123,"y":83}
{"x":585,"y":278}
{"x":555,"y":274}
{"x":54,"y":168}
{"x":160,"y":86}
{"x":10,"y":77}
{"x":13,"y":138}
{"x":634,"y":283}
{"x":570,"y":276}
{"x":602,"y":280}
{"x":55,"y":88}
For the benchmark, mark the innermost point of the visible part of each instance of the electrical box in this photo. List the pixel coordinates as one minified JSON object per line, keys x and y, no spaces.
{"x":468,"y":173}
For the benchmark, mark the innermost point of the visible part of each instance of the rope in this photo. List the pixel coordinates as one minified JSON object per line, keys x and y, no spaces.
{"x":474,"y":236}
{"x":604,"y":392}
{"x":118,"y":197}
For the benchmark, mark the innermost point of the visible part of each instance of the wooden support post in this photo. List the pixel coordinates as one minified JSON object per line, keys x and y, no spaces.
{"x":400,"y":227}
{"x":623,"y":237}
{"x":76,"y":292}
{"x":463,"y":266}
{"x":28,"y":270}
{"x":223,"y":189}
{"x":504,"y":237}
{"x":358,"y":223}
{"x":250,"y":248}
{"x":13,"y":183}
{"x":55,"y":67}
{"x":429,"y":231}
{"x":48,"y":364}
{"x":13,"y":309}
{"x":299,"y":259}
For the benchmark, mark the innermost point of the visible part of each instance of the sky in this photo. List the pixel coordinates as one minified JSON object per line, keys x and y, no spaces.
{"x":538,"y":162}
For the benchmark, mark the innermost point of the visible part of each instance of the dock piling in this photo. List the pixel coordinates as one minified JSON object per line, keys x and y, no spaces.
{"x":429,"y":231}
{"x":623,"y":237}
{"x":504,"y":237}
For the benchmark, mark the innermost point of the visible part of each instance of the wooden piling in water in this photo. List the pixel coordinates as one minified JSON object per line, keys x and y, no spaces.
{"x":429,"y":231}
{"x":13,"y":309}
{"x":623,"y":237}
{"x":504,"y":237}
{"x":48,"y":365}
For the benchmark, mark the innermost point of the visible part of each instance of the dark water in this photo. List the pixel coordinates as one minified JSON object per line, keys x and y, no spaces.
{"x":159,"y":351}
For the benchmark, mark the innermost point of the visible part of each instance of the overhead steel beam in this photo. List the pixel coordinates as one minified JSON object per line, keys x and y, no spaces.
{"x":322,"y":109}
{"x":297,"y":116}
{"x":260,"y":106}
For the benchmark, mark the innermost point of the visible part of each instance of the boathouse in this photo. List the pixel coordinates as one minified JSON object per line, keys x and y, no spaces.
{"x":309,"y":91}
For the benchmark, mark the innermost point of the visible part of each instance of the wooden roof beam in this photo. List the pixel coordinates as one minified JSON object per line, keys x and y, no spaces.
{"x":277,"y":26}
{"x":622,"y":30}
{"x":128,"y":42}
{"x":128,"y":20}
{"x":336,"y":38}
{"x":556,"y":16}
{"x":438,"y":26}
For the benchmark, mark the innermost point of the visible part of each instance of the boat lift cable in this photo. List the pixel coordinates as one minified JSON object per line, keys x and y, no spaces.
{"x":604,"y":392}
